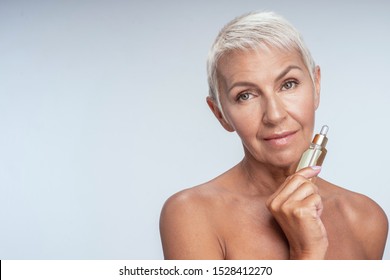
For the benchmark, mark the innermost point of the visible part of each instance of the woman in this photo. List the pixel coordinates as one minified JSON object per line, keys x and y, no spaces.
{"x":265,"y":86}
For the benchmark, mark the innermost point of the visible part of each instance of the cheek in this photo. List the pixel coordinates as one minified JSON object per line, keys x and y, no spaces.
{"x":304,"y":110}
{"x":302,"y":107}
{"x":244,"y":120}
{"x":245,"y":117}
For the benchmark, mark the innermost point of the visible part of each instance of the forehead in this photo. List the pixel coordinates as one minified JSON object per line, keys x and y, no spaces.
{"x":262,"y":61}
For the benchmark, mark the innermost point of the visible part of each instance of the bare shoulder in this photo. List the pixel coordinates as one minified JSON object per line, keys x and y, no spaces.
{"x":193,"y":201}
{"x":186,"y":225}
{"x":187,"y":197}
{"x":364,"y":216}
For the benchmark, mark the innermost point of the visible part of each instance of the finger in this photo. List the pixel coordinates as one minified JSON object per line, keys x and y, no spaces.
{"x":284,"y":192}
{"x":308,"y":209}
{"x":294,"y":181}
{"x":314,"y":202}
{"x":303,"y":191}
{"x":309,"y":172}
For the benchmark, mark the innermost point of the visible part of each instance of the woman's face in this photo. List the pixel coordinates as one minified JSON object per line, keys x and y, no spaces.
{"x":269,"y":99}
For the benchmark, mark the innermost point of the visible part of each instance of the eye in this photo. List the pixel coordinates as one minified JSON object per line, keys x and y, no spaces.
{"x":289,"y":85}
{"x":244,"y":96}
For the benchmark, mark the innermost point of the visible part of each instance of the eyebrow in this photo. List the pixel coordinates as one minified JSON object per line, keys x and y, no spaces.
{"x":285,"y":71}
{"x":279,"y":77}
{"x":241,"y":84}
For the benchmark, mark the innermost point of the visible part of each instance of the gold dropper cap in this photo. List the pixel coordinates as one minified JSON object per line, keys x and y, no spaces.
{"x":321,"y":139}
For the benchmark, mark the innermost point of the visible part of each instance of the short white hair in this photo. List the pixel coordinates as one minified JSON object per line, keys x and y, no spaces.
{"x":256,"y":30}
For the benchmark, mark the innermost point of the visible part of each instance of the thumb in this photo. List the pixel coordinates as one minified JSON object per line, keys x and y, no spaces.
{"x":309,"y":172}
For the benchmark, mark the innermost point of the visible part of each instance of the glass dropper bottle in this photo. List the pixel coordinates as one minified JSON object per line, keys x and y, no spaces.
{"x":315,"y":155}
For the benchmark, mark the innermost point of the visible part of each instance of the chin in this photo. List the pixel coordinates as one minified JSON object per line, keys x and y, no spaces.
{"x":285,"y":161}
{"x":286,"y":165}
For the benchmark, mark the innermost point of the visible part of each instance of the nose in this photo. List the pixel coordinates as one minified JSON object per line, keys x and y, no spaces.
{"x":274,"y":111}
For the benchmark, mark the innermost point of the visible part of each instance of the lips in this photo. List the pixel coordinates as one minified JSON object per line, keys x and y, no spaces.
{"x":279,"y":135}
{"x":280,"y":139}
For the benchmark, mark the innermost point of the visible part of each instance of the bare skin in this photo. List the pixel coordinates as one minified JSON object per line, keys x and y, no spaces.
{"x":218,"y":220}
{"x":262,"y":208}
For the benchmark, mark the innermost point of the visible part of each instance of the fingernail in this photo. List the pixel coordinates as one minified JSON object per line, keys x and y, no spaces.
{"x":316,"y":167}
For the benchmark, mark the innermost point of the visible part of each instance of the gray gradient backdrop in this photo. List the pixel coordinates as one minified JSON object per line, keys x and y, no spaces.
{"x":103,"y":114}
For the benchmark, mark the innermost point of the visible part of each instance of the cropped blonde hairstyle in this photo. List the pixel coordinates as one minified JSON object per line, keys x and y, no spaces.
{"x":257,"y":30}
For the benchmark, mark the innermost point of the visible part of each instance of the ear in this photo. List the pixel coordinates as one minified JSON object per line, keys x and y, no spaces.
{"x":317,"y":86}
{"x":218,"y":114}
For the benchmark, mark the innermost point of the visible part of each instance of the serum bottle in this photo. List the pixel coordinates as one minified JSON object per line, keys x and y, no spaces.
{"x":315,"y":155}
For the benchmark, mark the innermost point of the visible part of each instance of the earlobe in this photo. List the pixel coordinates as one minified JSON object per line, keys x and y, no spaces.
{"x":317,"y":86}
{"x":218,"y":114}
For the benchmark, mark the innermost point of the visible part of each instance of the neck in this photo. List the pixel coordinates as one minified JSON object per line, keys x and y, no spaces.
{"x":261,"y":178}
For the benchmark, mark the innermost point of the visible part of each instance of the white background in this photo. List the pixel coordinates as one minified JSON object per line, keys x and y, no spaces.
{"x":103,"y":114}
{"x":192,"y":269}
